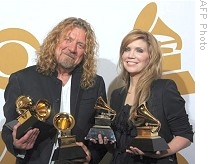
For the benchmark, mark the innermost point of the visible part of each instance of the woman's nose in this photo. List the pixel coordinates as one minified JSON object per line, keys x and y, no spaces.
{"x":131,"y":54}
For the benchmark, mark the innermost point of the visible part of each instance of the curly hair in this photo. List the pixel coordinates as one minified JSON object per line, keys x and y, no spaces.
{"x":46,"y":62}
{"x":152,"y":71}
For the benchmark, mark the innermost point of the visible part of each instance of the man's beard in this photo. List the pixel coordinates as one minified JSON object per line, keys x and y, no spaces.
{"x":67,"y":64}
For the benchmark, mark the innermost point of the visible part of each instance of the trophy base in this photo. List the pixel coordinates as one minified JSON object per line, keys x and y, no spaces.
{"x":68,"y":153}
{"x":25,"y":126}
{"x":103,"y":130}
{"x":150,"y":144}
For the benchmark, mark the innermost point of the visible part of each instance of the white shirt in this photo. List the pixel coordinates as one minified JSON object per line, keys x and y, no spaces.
{"x":64,"y":107}
{"x":65,"y":97}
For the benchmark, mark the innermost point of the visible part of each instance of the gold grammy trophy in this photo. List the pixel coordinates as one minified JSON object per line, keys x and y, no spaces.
{"x":148,"y":126}
{"x":29,"y":114}
{"x":103,"y":119}
{"x":67,"y":148}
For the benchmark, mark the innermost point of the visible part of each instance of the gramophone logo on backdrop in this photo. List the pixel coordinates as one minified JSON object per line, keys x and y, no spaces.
{"x":14,"y":43}
{"x":171,"y":45}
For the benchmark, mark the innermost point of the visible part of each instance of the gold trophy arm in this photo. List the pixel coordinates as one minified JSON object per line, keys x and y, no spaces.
{"x":21,"y":111}
{"x":109,"y":115}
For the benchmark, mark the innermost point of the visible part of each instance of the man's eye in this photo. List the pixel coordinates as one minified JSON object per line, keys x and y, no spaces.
{"x":67,"y":39}
{"x":81,"y":46}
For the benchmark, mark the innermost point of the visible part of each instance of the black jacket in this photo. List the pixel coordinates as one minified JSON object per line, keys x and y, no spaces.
{"x":166,"y":105}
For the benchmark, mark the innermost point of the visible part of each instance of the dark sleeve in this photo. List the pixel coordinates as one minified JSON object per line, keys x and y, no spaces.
{"x":98,"y":151}
{"x":102,"y":88}
{"x":10,"y":95}
{"x":174,"y":108}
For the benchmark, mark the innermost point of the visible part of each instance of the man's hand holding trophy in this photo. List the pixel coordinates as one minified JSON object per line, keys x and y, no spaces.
{"x":103,"y":119}
{"x":147,"y":139}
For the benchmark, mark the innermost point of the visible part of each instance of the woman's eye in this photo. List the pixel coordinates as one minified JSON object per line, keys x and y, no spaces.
{"x":127,"y":49}
{"x":140,"y":50}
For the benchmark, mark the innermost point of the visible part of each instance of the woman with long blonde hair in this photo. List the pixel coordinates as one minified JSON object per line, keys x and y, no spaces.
{"x":163,"y":107}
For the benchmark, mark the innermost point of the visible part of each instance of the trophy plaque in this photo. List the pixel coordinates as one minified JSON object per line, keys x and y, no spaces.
{"x":29,"y":114}
{"x":103,"y":119}
{"x":67,"y":149}
{"x":148,"y":126}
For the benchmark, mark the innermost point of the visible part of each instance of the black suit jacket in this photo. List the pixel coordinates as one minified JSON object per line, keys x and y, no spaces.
{"x":31,"y":83}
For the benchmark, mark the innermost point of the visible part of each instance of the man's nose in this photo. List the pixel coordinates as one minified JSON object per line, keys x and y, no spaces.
{"x":72,"y":47}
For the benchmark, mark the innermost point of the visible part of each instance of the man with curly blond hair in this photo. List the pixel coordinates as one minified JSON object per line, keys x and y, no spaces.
{"x":65,"y":75}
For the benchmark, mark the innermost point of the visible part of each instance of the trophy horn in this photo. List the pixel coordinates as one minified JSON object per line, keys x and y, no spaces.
{"x":146,"y":118}
{"x":23,"y":103}
{"x":42,"y":109}
{"x":63,"y":122}
{"x":102,"y":105}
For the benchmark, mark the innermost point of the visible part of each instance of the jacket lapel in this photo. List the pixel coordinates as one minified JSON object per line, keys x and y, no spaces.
{"x":76,"y":92}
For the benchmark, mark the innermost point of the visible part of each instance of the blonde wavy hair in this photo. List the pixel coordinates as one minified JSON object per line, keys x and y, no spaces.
{"x":46,"y":61}
{"x":151,"y":72}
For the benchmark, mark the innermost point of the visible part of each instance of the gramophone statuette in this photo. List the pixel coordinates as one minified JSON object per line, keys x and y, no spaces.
{"x":148,"y":126}
{"x":67,"y":149}
{"x":103,"y":119}
{"x":29,"y":114}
